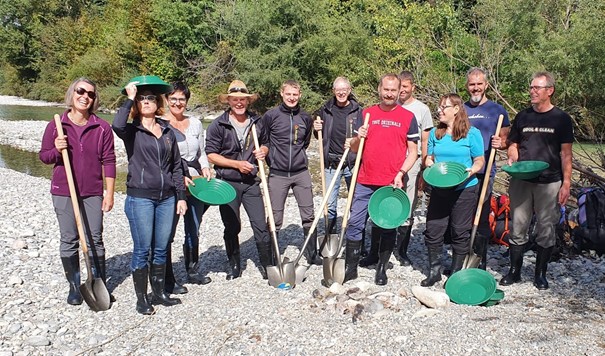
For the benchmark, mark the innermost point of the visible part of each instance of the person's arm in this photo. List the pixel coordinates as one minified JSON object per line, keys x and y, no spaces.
{"x":109,"y":169}
{"x":512,"y":152}
{"x":119,"y":124}
{"x":110,"y":187}
{"x":566,"y":158}
{"x":424,"y":147}
{"x":410,"y":159}
{"x":49,"y":150}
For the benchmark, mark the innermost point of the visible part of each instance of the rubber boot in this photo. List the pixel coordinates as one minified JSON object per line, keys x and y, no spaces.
{"x":191,"y":265}
{"x":171,"y":286}
{"x":386,"y":248}
{"x":542,"y":259}
{"x":71,"y":266}
{"x":234,"y":269}
{"x":158,"y":281}
{"x":352,"y":251}
{"x":457,"y":262}
{"x":403,"y":241}
{"x":480,"y":248}
{"x":139,"y":278}
{"x":310,"y":253}
{"x":332,"y":227}
{"x":434,"y":267}
{"x":372,"y":257}
{"x":364,"y":251}
{"x":516,"y":262}
{"x":264,"y":256}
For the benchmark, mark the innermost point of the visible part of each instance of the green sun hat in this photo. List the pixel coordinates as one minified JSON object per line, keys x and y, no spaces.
{"x":151,"y":82}
{"x":525,"y":169}
{"x":445,"y":174}
{"x":472,"y":286}
{"x":389,"y":207}
{"x":213,"y":191}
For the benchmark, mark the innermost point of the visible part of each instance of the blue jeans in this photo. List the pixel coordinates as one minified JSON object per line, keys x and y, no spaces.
{"x":150,"y":226}
{"x":192,"y":220}
{"x":333,"y":200}
{"x":359,"y":213}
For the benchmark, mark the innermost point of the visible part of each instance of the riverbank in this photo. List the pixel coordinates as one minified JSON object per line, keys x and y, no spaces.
{"x":15,"y":100}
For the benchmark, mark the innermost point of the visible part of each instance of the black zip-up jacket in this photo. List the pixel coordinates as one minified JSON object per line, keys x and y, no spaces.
{"x":289,"y":133}
{"x":154,"y":164}
{"x":221,"y":138}
{"x":355,"y":121}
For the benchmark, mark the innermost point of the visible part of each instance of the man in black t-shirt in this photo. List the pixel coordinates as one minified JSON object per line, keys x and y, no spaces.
{"x":541,"y":132}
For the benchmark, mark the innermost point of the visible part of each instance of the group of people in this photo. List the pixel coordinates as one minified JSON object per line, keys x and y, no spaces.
{"x":167,"y":150}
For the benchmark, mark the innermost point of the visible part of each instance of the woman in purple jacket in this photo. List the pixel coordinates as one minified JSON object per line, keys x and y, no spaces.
{"x":89,"y":142}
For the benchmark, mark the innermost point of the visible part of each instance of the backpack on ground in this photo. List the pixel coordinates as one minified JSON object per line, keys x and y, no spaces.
{"x":590,"y":232}
{"x":499,"y":219}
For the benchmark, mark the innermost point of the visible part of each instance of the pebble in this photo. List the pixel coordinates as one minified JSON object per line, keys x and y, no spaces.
{"x":37,"y":341}
{"x":15,"y":280}
{"x":19,"y":244}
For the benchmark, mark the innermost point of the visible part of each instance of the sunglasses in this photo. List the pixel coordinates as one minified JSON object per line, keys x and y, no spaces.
{"x":82,"y":91}
{"x":238,"y":90}
{"x":174,"y":101}
{"x":146,"y":97}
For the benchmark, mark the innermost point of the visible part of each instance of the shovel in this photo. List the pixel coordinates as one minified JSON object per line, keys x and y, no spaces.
{"x":324,"y":240}
{"x":291,"y":267}
{"x":275,"y":274}
{"x":93,"y":291}
{"x":333,"y":266}
{"x":472,"y":260}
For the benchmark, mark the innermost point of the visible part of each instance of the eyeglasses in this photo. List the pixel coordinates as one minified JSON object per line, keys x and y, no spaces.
{"x":238,"y":90}
{"x":146,"y":97}
{"x":174,"y":101}
{"x":341,"y":90}
{"x":82,"y":91}
{"x":538,"y":87}
{"x":443,"y":107}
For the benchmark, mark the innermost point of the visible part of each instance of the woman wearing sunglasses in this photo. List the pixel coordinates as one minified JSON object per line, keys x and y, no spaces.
{"x":190,"y":138}
{"x":154,"y":185}
{"x":89,"y":141}
{"x":453,"y":140}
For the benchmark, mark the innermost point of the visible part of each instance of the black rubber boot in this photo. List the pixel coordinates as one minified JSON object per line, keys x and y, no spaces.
{"x":192,"y":256}
{"x":372,"y":257}
{"x":542,"y":259}
{"x":516,"y":262}
{"x":332,"y":227}
{"x":352,"y":251}
{"x":264,"y":256}
{"x":363,"y":252}
{"x":386,"y":248}
{"x":158,"y":275}
{"x":403,"y":241}
{"x":139,"y":278}
{"x":310,"y":253}
{"x":434,"y":267}
{"x":457,"y":262}
{"x":480,"y":248}
{"x":71,"y":266}
{"x":171,"y":286}
{"x":234,"y":269}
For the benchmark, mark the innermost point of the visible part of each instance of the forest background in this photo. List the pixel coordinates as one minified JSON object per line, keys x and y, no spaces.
{"x":47,"y":44}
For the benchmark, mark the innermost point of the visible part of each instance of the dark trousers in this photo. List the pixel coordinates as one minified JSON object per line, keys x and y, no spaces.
{"x":250,"y":196}
{"x":279,"y":186}
{"x":453,"y":208}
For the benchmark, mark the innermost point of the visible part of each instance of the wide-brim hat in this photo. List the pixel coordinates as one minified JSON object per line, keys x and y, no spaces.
{"x":237,"y":89}
{"x":151,"y":82}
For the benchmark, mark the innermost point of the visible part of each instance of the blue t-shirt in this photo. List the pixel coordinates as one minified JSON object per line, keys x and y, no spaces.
{"x":461,"y":151}
{"x":485,"y":118}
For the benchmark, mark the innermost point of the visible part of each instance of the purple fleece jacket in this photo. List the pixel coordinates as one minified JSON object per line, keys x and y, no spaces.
{"x":90,"y":154}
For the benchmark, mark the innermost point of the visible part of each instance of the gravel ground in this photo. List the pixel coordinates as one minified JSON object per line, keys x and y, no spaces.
{"x":246,"y":316}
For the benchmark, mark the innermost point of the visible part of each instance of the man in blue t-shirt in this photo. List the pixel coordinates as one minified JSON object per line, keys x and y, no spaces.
{"x":483,"y":114}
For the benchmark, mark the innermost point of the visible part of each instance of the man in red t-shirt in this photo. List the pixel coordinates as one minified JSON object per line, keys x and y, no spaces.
{"x":391,"y":133}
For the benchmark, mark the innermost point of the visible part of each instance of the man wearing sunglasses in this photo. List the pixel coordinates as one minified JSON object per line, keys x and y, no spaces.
{"x":542,"y":132}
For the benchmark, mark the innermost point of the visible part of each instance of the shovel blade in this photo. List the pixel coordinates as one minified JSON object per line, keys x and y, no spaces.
{"x":301,"y":272}
{"x":338,"y":271}
{"x":328,"y":266}
{"x":330,"y":247}
{"x":274,"y":276}
{"x":289,"y":272}
{"x":95,"y":294}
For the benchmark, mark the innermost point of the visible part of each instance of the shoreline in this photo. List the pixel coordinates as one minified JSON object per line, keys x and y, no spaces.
{"x":16,"y":100}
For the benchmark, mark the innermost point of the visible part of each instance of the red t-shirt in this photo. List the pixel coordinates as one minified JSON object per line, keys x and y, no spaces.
{"x":386,"y":145}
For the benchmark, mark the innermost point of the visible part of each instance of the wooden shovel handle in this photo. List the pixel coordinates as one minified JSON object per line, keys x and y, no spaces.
{"x":322,"y":167}
{"x":72,"y":188}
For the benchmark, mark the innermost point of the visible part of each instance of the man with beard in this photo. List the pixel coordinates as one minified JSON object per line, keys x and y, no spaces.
{"x":483,"y":114}
{"x":389,"y":153}
{"x":289,"y":129}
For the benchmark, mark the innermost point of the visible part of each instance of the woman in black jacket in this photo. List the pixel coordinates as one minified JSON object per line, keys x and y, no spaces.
{"x":154,"y":185}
